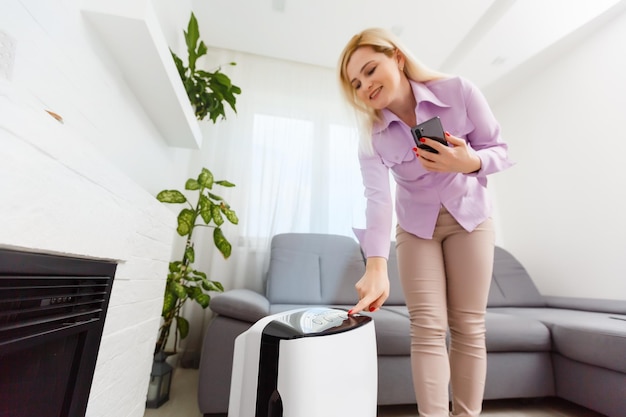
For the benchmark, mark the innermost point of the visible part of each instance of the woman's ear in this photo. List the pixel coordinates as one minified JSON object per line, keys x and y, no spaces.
{"x":400,"y":59}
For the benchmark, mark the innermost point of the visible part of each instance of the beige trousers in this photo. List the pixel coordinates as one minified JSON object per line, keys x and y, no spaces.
{"x":446,"y":284}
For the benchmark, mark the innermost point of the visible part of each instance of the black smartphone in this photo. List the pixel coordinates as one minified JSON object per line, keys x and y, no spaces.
{"x":432,"y":129}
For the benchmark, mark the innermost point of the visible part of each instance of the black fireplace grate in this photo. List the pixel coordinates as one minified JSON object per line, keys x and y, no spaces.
{"x":31,"y":306}
{"x":52,"y":314}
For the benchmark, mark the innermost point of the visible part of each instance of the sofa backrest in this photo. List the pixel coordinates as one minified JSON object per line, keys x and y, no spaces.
{"x":321,"y":269}
{"x":511,"y":286}
{"x":309,"y":269}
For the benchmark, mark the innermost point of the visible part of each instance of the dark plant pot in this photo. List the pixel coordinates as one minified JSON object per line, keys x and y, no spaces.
{"x":160,"y":381}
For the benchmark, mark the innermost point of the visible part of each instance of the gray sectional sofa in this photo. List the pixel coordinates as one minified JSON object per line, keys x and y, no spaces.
{"x":536,"y":346}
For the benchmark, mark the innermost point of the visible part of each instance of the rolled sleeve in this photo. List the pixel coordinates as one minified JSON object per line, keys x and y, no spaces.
{"x":485,"y":139}
{"x":375,"y":239}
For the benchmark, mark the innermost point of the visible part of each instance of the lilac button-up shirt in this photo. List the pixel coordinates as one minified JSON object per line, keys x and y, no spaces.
{"x":464,"y":113}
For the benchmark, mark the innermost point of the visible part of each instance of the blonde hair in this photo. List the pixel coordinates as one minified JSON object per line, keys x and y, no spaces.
{"x":382,"y":41}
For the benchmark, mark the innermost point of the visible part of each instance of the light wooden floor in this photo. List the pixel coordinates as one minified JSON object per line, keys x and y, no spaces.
{"x":183,"y":403}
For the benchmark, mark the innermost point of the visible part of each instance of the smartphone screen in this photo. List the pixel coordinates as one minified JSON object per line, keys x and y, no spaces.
{"x":432,"y":129}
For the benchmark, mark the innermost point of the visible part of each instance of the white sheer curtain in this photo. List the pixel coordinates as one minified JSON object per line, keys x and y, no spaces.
{"x":291,"y":151}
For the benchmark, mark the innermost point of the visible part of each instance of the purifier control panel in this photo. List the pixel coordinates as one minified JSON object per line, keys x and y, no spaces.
{"x":316,"y":321}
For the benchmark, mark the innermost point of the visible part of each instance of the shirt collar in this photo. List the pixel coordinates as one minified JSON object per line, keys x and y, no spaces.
{"x":421,"y":92}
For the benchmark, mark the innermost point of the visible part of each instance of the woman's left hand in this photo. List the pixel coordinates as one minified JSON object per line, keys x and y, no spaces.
{"x":457,"y":157}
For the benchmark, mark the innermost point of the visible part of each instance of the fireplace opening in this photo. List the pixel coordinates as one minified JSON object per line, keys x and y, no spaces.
{"x":52,"y":311}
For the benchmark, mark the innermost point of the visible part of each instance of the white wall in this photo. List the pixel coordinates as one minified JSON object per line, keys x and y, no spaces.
{"x":63,"y":62}
{"x":562,"y":207}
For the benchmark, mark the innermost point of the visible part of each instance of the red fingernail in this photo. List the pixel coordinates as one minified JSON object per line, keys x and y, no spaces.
{"x":372,"y":309}
{"x":414,"y":149}
{"x":349,"y":312}
{"x":447,"y":134}
{"x":422,"y":140}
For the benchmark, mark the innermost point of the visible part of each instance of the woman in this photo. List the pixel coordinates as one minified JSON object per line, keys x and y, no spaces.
{"x":444,"y":236}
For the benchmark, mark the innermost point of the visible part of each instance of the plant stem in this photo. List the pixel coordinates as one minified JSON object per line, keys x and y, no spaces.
{"x":167,"y":323}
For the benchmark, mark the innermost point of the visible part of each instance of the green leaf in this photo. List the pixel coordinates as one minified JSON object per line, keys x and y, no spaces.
{"x":203,"y":300}
{"x":221,"y":243}
{"x":199,"y":274}
{"x":202,"y":50}
{"x":205,"y":208}
{"x":217,"y":113}
{"x":190,"y":254}
{"x":175,"y":266}
{"x":192,"y":184}
{"x":194,"y":292}
{"x":169,"y":302}
{"x":204,"y":74}
{"x":205,"y":178}
{"x":177,"y":289}
{"x":215,"y":196}
{"x":212,"y":286}
{"x":182,"y":70}
{"x":182,"y":326}
{"x":231,"y":100}
{"x":191,"y":38}
{"x":216,"y":215}
{"x":171,"y":196}
{"x":222,"y":79}
{"x":225,"y":183}
{"x":230,"y":214}
{"x":186,"y":222}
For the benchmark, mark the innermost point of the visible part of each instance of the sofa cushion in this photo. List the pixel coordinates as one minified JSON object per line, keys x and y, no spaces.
{"x":241,"y":304}
{"x":505,"y":333}
{"x":580,"y":335}
{"x":583,"y":343}
{"x":509,"y":333}
{"x":510,"y":284}
{"x":392,"y":330}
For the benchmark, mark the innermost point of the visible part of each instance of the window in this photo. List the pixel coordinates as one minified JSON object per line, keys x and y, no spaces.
{"x":282,"y":171}
{"x":346,"y":206}
{"x":305,"y":178}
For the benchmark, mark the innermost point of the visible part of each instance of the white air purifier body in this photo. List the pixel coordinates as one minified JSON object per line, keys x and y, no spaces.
{"x":311,"y":362}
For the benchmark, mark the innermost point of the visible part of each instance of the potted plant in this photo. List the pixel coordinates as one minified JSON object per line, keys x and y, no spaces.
{"x":207,"y":91}
{"x":183,"y":281}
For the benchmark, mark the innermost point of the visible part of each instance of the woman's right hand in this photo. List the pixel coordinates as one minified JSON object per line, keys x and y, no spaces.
{"x":373,"y":287}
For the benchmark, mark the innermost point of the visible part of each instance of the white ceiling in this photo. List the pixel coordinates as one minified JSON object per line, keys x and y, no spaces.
{"x":479,"y":39}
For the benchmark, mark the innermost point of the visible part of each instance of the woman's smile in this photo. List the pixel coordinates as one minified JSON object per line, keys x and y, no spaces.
{"x":375,"y":93}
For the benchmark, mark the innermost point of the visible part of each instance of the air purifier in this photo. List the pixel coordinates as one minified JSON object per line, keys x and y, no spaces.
{"x":309,"y":362}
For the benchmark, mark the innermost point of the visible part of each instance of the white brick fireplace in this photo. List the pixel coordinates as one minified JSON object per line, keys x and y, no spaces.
{"x":86,"y":187}
{"x":59,"y":195}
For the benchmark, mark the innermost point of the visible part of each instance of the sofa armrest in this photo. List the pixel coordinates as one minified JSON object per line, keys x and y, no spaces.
{"x":587,"y":304}
{"x":241,"y":304}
